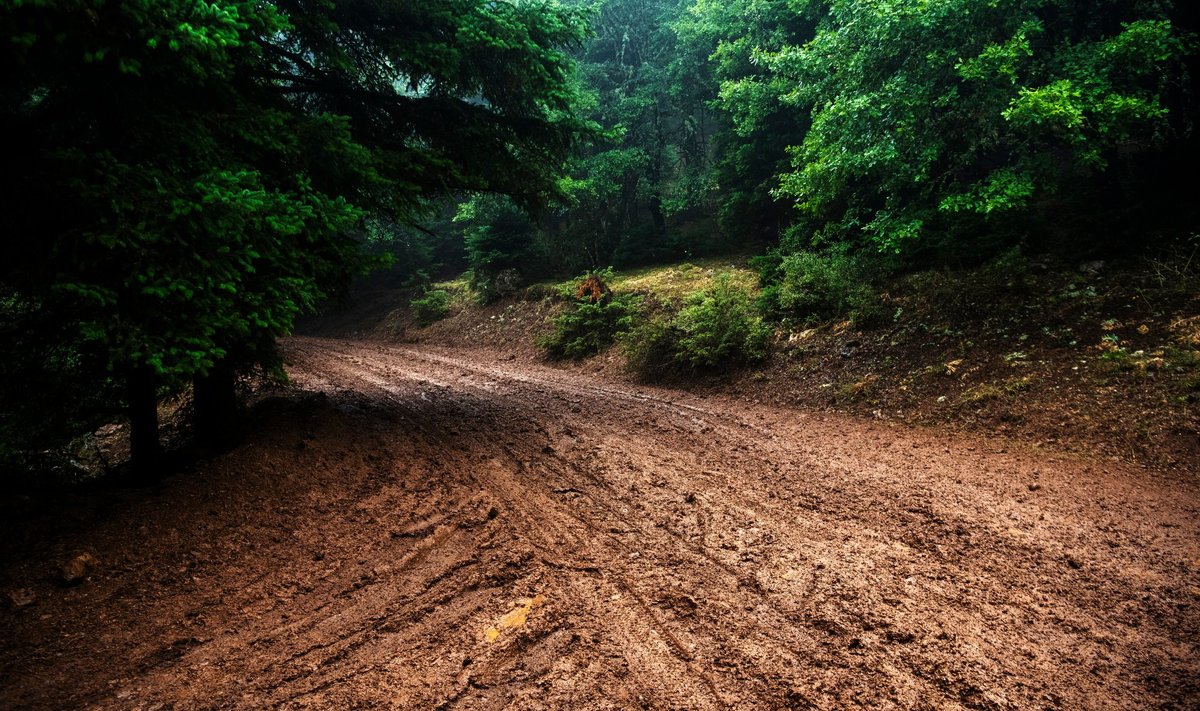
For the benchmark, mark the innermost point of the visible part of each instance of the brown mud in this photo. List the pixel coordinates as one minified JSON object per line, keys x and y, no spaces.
{"x":436,"y":529}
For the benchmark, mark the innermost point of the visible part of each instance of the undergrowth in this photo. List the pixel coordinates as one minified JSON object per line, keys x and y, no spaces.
{"x":717,"y":328}
{"x":433,"y":305}
{"x":593,"y":321}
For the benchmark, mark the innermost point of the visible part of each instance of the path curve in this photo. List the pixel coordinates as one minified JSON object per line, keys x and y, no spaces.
{"x":443,"y":530}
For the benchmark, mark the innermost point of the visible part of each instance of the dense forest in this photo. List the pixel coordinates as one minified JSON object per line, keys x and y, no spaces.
{"x":184,"y":179}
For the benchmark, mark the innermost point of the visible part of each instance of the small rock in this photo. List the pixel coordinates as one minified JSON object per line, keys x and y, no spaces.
{"x":76,"y":570}
{"x":1035,"y":487}
{"x":1074,"y":564}
{"x":21,"y":597}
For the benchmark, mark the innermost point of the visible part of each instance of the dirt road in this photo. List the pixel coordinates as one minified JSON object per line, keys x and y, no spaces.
{"x":450,"y":531}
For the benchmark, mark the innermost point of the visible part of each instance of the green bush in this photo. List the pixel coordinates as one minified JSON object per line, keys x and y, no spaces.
{"x":431,"y":306}
{"x":650,"y":347}
{"x":717,"y":328}
{"x":586,"y":328}
{"x":811,"y":286}
{"x":720,"y":327}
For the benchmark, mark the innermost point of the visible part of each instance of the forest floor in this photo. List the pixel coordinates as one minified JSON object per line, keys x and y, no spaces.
{"x":416,"y":527}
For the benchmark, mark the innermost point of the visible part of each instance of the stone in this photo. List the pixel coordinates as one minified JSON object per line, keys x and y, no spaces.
{"x":76,"y":570}
{"x":21,"y":597}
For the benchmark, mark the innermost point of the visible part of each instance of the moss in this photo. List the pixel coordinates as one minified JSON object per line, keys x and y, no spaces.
{"x":983,"y":393}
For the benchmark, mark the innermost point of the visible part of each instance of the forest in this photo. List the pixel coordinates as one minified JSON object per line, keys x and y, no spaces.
{"x":185,"y":179}
{"x":599,"y":354}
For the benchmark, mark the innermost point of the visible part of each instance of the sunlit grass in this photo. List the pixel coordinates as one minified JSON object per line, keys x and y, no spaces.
{"x":459,"y":288}
{"x":675,"y":282}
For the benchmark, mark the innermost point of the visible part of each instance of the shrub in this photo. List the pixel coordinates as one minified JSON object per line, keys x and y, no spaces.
{"x":814,"y":286}
{"x":718,"y":328}
{"x":431,"y":306}
{"x":650,"y":347}
{"x":588,"y":327}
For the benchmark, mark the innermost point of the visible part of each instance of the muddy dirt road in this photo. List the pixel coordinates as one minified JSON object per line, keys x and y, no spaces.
{"x":442,"y":530}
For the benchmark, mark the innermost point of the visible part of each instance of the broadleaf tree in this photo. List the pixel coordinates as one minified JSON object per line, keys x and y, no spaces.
{"x":935,"y":121}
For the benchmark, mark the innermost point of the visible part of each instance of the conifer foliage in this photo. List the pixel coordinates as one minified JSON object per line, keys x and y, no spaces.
{"x":183,"y":178}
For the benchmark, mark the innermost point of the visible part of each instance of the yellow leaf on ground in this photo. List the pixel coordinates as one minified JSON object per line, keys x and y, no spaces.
{"x":514,"y":617}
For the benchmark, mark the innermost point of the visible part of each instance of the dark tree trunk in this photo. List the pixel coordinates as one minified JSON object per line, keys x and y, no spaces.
{"x":144,"y":448}
{"x":215,"y":406}
{"x":656,"y":213}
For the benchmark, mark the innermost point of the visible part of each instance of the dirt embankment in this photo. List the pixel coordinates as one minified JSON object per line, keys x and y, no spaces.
{"x":437,"y":530}
{"x":1104,"y":363}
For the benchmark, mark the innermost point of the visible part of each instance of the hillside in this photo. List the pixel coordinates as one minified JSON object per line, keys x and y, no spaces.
{"x":1099,"y":358}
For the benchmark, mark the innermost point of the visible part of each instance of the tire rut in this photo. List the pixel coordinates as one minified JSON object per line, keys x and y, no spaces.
{"x":433,"y":530}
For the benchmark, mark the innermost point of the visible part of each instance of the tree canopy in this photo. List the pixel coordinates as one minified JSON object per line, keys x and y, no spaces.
{"x":935,"y":118}
{"x":184,"y":178}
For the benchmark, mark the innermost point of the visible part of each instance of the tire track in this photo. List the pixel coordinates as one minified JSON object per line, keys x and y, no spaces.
{"x":440,"y":531}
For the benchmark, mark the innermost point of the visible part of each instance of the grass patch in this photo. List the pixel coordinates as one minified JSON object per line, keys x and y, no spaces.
{"x":673,"y":283}
{"x":983,"y":393}
{"x":459,"y":289}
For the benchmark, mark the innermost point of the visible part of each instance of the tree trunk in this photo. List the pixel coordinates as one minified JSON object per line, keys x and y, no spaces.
{"x":144,"y":448}
{"x":656,"y":213}
{"x":215,"y":406}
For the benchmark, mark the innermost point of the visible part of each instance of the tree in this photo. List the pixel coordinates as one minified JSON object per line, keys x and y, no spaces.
{"x":186,"y":177}
{"x":725,"y":41}
{"x":501,"y":244}
{"x":651,"y":161}
{"x":933,"y":122}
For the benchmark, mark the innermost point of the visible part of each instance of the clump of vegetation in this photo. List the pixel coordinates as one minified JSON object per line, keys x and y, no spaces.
{"x":858,"y":389}
{"x":433,"y":305}
{"x":983,"y":393}
{"x":811,"y":286}
{"x":718,"y":328}
{"x":593,"y":322}
{"x":650,"y":348}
